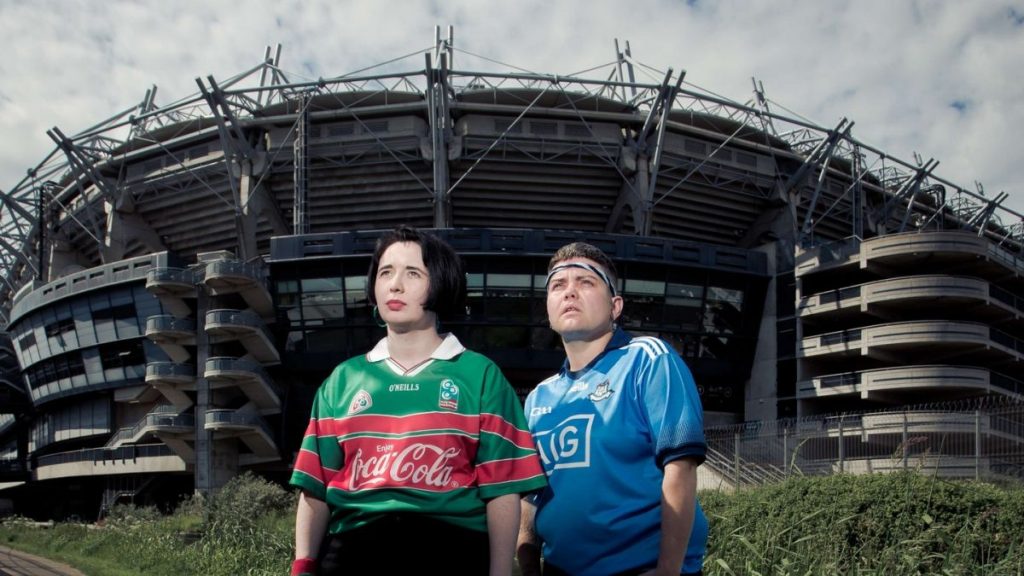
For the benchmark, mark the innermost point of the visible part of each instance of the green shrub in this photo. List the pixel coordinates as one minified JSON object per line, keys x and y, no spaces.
{"x":899,"y":524}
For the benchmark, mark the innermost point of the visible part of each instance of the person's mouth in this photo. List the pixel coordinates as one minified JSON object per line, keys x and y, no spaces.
{"x":394,"y":305}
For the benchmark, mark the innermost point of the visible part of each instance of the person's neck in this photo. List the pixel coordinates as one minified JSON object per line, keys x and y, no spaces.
{"x":412,"y":347}
{"x":582,"y":352}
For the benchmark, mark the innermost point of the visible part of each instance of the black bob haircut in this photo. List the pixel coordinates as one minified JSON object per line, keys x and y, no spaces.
{"x":447,"y":294}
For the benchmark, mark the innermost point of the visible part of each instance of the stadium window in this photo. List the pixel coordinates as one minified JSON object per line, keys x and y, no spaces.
{"x":321,"y":299}
{"x":695,"y":147}
{"x":576,"y":130}
{"x":27,"y":341}
{"x":375,"y":126}
{"x":646,"y":300}
{"x":343,"y":129}
{"x":683,"y":304}
{"x":121,"y":355}
{"x":475,"y":295}
{"x":544,"y":128}
{"x":508,"y":296}
{"x":502,"y":126}
{"x":357,"y":307}
{"x":746,"y":159}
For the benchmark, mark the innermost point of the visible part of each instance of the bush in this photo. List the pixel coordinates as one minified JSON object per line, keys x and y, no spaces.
{"x":904,"y":523}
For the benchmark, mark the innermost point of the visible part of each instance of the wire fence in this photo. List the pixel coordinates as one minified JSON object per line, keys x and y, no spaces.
{"x":981,"y":438}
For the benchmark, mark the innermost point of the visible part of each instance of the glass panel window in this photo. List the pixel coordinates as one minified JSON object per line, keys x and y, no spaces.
{"x":644,"y":303}
{"x":357,"y":304}
{"x":723,"y":313}
{"x":683,"y":305}
{"x":475,"y":295}
{"x":508,"y":296}
{"x":320,"y":306}
{"x":649,"y":287}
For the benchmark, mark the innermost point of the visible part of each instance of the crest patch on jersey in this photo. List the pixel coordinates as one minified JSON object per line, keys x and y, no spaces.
{"x":602,"y":392}
{"x":449,"y":396}
{"x":360,"y":402}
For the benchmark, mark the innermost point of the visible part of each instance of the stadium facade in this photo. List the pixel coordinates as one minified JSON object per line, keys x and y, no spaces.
{"x":177,"y":280}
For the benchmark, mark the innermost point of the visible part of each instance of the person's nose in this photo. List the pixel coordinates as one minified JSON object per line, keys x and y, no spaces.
{"x":395,"y":283}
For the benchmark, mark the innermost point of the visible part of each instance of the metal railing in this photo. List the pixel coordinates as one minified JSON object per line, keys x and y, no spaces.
{"x":232,"y":364}
{"x":166,"y":322}
{"x":170,"y":275}
{"x":237,"y":418}
{"x":101,"y":455}
{"x":164,"y":415}
{"x":978,"y":438}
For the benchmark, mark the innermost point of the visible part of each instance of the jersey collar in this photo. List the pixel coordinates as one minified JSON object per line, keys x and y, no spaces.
{"x":450,"y":348}
{"x":619,"y":339}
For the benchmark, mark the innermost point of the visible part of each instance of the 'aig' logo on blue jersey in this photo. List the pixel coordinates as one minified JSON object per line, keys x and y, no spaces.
{"x":567,"y":445}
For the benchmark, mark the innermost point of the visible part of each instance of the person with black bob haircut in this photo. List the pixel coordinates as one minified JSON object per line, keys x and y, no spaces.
{"x":417,"y":452}
{"x":447,"y":294}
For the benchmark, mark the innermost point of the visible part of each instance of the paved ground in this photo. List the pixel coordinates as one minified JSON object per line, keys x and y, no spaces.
{"x":15,"y":563}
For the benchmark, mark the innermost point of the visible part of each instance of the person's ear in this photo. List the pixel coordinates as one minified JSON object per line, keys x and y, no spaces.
{"x":616,"y":307}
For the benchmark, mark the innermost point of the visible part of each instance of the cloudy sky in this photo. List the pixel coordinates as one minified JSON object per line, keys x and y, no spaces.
{"x":940,"y":78}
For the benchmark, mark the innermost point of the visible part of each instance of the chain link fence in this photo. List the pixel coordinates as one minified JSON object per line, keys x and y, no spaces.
{"x":980,"y":439}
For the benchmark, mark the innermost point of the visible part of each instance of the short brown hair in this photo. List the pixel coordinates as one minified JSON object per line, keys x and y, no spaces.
{"x":588,"y":251}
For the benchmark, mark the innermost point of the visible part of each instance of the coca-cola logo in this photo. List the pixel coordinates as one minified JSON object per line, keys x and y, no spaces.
{"x":418,"y":465}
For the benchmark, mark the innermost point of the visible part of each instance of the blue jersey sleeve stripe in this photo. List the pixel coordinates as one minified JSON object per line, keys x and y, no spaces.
{"x":645,"y":346}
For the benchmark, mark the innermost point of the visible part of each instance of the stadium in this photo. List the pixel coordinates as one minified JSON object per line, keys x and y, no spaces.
{"x":177,"y":280}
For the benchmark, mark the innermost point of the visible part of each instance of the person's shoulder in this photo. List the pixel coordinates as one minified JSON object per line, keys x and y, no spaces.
{"x":472,"y":357}
{"x":648,"y":347}
{"x":544,"y":386}
{"x":355,"y":363}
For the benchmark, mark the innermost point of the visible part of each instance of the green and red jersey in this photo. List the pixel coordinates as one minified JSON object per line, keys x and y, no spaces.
{"x":439,"y":439}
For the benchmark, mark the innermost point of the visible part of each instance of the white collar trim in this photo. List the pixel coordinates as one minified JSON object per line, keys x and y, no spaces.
{"x":449,"y":348}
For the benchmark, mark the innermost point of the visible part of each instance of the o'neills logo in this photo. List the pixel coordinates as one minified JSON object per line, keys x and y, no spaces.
{"x":417,"y":465}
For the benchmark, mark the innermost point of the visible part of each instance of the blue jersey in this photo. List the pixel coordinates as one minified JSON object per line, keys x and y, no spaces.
{"x":604,"y":434}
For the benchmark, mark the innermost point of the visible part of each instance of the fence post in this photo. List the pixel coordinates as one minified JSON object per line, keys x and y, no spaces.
{"x":841,"y":455}
{"x":905,"y":439}
{"x":736,"y":458}
{"x":977,"y":444}
{"x":785,"y":452}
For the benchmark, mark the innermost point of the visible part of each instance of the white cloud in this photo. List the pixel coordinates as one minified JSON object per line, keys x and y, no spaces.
{"x":896,"y":69}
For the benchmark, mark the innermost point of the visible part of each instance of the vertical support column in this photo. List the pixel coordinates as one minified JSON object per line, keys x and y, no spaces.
{"x":906,"y":438}
{"x":300,"y":151}
{"x":857,"y":195}
{"x":736,"y":458}
{"x":785,"y":452}
{"x":246,"y":211}
{"x":204,"y":439}
{"x":437,"y":95}
{"x":842,"y":455}
{"x":977,"y":444}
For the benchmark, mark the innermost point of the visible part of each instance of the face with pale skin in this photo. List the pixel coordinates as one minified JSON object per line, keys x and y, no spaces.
{"x":401,"y":288}
{"x":580,"y":305}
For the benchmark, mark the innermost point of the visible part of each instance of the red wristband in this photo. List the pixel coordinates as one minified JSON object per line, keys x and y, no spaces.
{"x":303,"y":566}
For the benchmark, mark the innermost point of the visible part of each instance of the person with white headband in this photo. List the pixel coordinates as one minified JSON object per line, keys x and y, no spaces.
{"x":620,"y":433}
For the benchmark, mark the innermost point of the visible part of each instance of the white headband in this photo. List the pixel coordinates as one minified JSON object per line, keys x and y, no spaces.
{"x":585,"y":266}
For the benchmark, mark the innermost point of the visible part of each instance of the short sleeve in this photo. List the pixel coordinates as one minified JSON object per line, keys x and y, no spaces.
{"x":506,"y":460}
{"x":320,"y":456}
{"x":672,"y":407}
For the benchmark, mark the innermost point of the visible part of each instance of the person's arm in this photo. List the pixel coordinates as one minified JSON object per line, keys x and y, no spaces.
{"x":502,"y":523}
{"x":528,"y":544}
{"x":678,"y":506}
{"x":311,"y":520}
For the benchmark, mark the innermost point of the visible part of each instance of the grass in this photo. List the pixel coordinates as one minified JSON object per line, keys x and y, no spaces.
{"x":898,"y":524}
